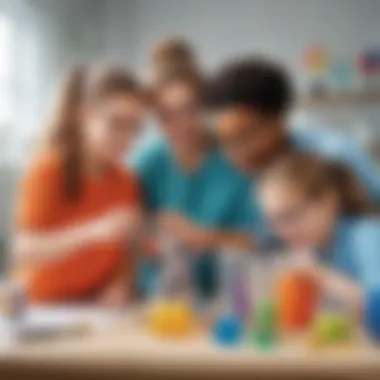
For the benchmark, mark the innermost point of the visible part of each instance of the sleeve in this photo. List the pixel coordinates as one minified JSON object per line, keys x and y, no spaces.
{"x":36,"y":201}
{"x":146,"y":164}
{"x":367,"y":249}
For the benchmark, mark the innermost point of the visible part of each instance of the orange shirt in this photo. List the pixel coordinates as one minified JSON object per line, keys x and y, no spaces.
{"x":43,"y":207}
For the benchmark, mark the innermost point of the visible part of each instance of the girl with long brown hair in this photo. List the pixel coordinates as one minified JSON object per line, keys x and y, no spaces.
{"x":77,"y":208}
{"x":192,"y":189}
{"x":319,"y":208}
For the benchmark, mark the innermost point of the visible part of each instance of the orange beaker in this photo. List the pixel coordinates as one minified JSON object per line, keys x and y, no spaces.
{"x":297,"y":301}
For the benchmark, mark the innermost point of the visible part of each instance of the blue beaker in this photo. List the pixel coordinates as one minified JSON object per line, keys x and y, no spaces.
{"x":372,"y":314}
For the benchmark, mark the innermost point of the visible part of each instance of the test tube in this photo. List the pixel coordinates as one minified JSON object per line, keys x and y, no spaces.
{"x":235,"y":289}
{"x":175,"y":278}
{"x":263,"y":274}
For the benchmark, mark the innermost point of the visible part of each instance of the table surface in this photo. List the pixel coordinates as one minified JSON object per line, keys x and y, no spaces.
{"x":120,"y":342}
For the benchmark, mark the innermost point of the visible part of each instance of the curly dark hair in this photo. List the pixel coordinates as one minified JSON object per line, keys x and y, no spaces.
{"x":255,"y":82}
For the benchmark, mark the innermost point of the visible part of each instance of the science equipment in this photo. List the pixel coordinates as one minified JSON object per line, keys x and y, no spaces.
{"x":175,"y":278}
{"x":372,"y":314}
{"x":297,"y":300}
{"x":234,"y":285}
{"x":331,"y":329}
{"x":265,"y":331}
{"x":170,"y":318}
{"x":263,"y":273}
{"x":228,"y":329}
{"x":171,"y":312}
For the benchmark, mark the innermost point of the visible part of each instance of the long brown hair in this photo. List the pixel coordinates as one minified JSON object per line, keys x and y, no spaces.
{"x":314,"y":176}
{"x":82,"y":84}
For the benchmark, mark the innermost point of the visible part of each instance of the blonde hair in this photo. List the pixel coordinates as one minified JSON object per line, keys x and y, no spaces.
{"x":314,"y":175}
{"x":171,"y":54}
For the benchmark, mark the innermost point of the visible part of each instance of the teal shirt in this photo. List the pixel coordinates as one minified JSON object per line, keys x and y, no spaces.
{"x":215,"y":196}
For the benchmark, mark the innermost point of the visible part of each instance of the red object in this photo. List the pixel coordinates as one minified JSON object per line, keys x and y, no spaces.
{"x":297,"y":301}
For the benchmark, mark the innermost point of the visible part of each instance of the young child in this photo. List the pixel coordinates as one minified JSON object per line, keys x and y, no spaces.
{"x":318,"y":207}
{"x":77,"y":209}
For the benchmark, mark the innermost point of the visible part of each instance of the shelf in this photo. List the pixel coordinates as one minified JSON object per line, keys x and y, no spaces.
{"x":341,"y":99}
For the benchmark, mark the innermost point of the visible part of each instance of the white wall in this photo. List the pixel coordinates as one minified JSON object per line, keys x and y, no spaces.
{"x":66,"y":32}
{"x":119,"y":31}
{"x":223,"y":28}
{"x":50,"y":36}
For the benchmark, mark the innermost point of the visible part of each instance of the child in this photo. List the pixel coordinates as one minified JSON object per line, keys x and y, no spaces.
{"x":318,"y":206}
{"x":77,"y":208}
{"x":188,"y":185}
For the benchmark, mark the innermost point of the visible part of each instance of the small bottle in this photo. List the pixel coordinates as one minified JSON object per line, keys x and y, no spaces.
{"x":235,"y":287}
{"x":297,"y":300}
{"x":176,"y":282}
{"x":264,"y":322}
{"x":171,"y":314}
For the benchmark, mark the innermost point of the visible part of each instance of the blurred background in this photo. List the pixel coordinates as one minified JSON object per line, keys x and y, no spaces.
{"x":332,"y":48}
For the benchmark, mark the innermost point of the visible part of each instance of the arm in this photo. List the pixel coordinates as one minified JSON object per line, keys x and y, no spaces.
{"x":199,"y":238}
{"x":38,"y":247}
{"x":35,"y":240}
{"x":365,"y":243}
{"x":234,"y":233}
{"x":118,"y":292}
{"x":239,"y":241}
{"x":36,"y":203}
{"x":330,"y":281}
{"x":339,"y":286}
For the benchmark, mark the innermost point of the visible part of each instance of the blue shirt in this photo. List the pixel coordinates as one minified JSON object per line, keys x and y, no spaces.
{"x":332,"y":146}
{"x":214,"y":196}
{"x":355,"y":250}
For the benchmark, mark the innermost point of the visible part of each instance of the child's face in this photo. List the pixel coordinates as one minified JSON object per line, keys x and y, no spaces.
{"x":180,"y":114}
{"x":111,"y":126}
{"x":297,"y":220}
{"x":249,"y":138}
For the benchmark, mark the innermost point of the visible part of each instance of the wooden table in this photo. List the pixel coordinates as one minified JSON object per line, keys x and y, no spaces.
{"x":126,"y":350}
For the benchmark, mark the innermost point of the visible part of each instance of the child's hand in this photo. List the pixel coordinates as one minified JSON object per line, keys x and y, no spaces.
{"x":185,"y":232}
{"x":119,"y":223}
{"x":303,"y":260}
{"x":114,"y":296}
